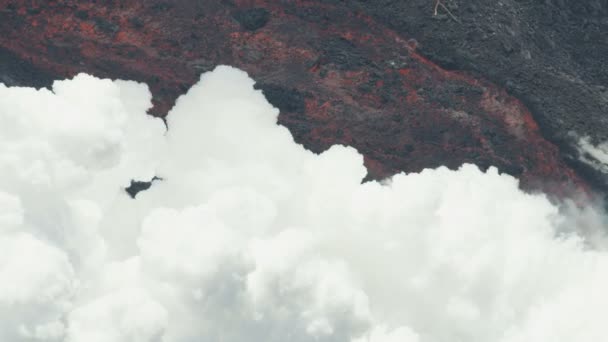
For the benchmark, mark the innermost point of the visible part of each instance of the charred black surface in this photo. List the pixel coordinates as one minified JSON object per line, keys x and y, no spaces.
{"x":343,"y":54}
{"x":15,"y":71}
{"x":285,"y":99}
{"x":252,"y":19}
{"x":105,"y":25}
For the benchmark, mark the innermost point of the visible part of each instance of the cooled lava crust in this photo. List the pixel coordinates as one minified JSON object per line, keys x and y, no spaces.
{"x":337,"y":75}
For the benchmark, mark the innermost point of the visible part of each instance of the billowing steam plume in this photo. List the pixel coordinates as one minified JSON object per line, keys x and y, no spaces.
{"x":247,"y":236}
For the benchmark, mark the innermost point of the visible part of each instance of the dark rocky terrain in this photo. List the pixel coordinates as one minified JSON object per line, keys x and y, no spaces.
{"x":549,"y":54}
{"x":502,"y":82}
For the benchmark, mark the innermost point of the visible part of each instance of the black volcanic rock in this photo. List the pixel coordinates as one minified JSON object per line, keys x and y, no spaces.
{"x":252,"y":19}
{"x":285,"y":99}
{"x":550,"y":54}
{"x":15,"y":71}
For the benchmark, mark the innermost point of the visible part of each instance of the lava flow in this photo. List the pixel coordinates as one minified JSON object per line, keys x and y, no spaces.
{"x":338,"y":77}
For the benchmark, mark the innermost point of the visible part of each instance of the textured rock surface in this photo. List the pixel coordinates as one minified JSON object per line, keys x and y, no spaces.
{"x":355,"y":72}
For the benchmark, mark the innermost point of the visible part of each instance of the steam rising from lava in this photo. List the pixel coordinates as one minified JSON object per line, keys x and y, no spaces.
{"x":250,"y":237}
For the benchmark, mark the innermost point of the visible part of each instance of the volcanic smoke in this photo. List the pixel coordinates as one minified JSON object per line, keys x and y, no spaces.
{"x":247,"y":236}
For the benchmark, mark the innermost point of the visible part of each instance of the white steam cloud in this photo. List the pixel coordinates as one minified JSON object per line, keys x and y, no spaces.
{"x":250,"y":237}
